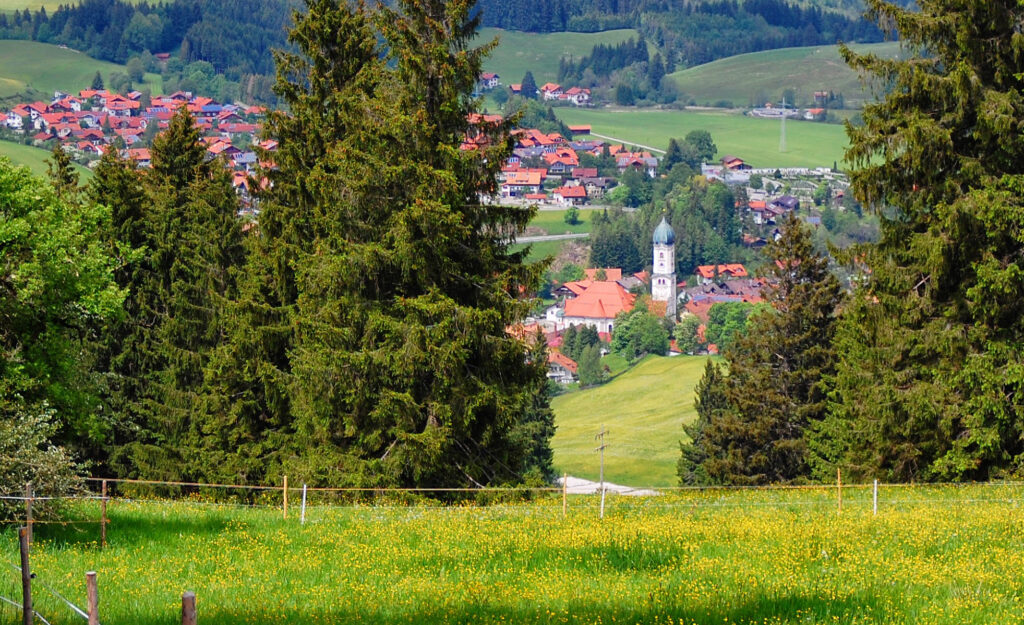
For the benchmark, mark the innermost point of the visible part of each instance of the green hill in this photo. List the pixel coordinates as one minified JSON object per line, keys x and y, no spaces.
{"x":35,"y":159}
{"x":28,"y":68}
{"x":518,"y":52}
{"x":746,"y":79}
{"x":643,"y":409}
{"x":755,"y":140}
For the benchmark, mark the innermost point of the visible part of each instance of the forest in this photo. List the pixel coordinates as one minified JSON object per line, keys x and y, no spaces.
{"x":689,"y":33}
{"x":356,"y":335}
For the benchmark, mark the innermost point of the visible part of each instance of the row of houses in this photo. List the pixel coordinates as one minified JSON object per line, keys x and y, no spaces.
{"x":93,"y":120}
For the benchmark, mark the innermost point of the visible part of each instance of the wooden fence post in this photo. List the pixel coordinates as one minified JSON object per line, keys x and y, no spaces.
{"x":28,"y":510}
{"x":188,"y":608}
{"x":302,"y":515}
{"x":103,"y":515}
{"x":28,"y":616}
{"x":565,"y":498}
{"x":93,"y":593}
{"x":839,"y":488}
{"x":285,"y":489}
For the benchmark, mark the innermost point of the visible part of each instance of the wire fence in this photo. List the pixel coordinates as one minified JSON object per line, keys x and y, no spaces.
{"x":300,"y":501}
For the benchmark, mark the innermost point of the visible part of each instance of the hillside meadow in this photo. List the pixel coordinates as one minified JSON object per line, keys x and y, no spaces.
{"x":29,"y":66}
{"x":519,"y":52}
{"x":808,"y":144}
{"x":35,"y":159}
{"x":643,"y":410}
{"x":752,"y":79}
{"x":932,"y":556}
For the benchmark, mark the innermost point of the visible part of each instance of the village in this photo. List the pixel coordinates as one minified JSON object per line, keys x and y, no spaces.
{"x":544,"y":169}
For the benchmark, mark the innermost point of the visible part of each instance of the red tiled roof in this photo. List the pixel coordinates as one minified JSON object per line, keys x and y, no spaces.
{"x":601,"y":300}
{"x":559,"y":358}
{"x":612,"y":274}
{"x":733,"y":270}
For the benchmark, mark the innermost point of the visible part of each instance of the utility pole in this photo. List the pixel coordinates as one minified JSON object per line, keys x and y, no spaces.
{"x":600,"y":448}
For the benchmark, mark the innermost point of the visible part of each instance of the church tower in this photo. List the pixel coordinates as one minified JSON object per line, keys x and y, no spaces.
{"x":663,"y":280}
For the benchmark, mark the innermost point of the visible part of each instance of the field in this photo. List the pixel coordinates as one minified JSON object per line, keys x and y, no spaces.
{"x":34,"y":159}
{"x":47,"y":68}
{"x":946,"y":555}
{"x":9,"y":6}
{"x":643,"y":409}
{"x":518,"y":52}
{"x":808,"y":144}
{"x":745,"y":79}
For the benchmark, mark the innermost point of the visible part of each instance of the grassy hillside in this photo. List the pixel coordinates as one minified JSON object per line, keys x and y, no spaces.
{"x":808,"y":144}
{"x":747,"y":78}
{"x":34,"y":159}
{"x":518,"y":52}
{"x":45,"y":68}
{"x":643,"y":409}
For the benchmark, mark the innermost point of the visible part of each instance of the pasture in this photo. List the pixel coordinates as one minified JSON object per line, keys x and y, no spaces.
{"x":808,"y":144}
{"x":759,"y":77}
{"x":932,"y":556}
{"x":519,"y":52}
{"x":35,"y":159}
{"x":32,"y":69}
{"x":643,"y":409}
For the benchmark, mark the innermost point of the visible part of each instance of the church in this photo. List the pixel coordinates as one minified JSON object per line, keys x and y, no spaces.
{"x":663,"y":280}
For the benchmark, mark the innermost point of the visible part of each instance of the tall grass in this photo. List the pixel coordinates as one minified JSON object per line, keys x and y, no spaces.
{"x":934,"y":555}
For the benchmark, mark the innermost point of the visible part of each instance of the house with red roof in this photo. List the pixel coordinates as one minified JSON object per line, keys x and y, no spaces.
{"x":708,"y":273}
{"x":598,"y":305}
{"x":576,"y":95}
{"x":488,"y":81}
{"x":570,"y":196}
{"x":519,"y":183}
{"x":551,"y":91}
{"x":561,"y":368}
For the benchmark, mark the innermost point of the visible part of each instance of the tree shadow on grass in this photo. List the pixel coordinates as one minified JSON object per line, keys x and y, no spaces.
{"x":794,"y":608}
{"x":127,"y":528}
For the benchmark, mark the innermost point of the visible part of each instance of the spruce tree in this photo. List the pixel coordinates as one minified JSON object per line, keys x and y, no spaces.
{"x":774,"y":392}
{"x":368,"y":345}
{"x":528,"y":88}
{"x":97,"y":82}
{"x":62,"y":174}
{"x":930,"y":347}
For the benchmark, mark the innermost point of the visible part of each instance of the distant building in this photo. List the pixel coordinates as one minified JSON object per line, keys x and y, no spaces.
{"x":663,"y":278}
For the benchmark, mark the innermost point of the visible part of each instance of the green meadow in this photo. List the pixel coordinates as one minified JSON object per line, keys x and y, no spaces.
{"x":932,"y":556}
{"x":643,"y":409}
{"x":808,"y":144}
{"x":519,"y":52}
{"x":751,"y":79}
{"x":32,"y":68}
{"x":35,"y":159}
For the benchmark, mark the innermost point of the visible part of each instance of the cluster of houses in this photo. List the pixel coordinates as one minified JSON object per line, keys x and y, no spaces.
{"x":91,"y":122}
{"x":598,"y":298}
{"x":541,"y":157}
{"x":549,"y":92}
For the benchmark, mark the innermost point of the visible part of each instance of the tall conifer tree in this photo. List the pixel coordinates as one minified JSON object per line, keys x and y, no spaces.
{"x":929,"y":380}
{"x":755,"y":431}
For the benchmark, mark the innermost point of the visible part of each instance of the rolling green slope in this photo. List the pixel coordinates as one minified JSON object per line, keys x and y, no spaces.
{"x":745,"y":79}
{"x":34,"y":159}
{"x":27,"y":65}
{"x":643,"y":409}
{"x":808,"y":144}
{"x":518,"y":52}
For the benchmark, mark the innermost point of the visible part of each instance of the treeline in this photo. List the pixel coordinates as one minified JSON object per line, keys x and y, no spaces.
{"x":356,"y":335}
{"x":689,"y":33}
{"x":604,"y":59}
{"x":916,"y":375}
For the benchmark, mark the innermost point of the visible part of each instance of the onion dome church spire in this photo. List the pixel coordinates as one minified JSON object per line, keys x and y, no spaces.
{"x":663,"y":278}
